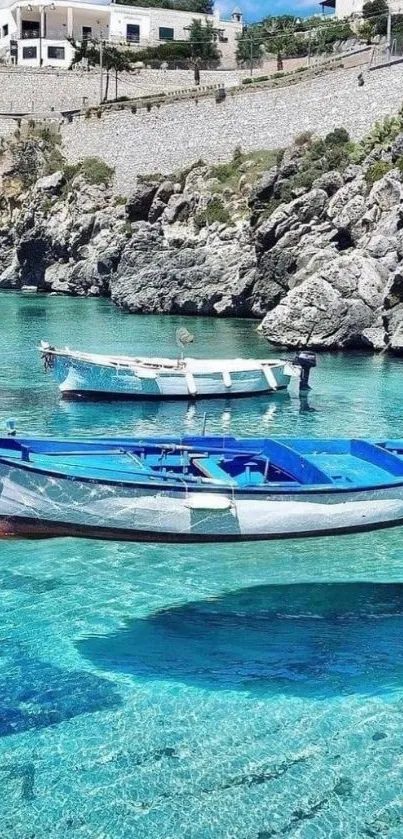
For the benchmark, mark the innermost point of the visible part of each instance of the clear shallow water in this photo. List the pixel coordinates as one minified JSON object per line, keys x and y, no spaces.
{"x":208,"y":692}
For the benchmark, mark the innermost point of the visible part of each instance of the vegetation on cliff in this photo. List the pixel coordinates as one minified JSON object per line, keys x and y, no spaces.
{"x":287,"y":36}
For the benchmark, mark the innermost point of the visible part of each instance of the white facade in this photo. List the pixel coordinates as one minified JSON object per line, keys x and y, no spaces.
{"x":353,"y":8}
{"x":34,"y":34}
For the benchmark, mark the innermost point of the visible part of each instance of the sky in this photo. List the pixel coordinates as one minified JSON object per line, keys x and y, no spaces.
{"x":258,"y":9}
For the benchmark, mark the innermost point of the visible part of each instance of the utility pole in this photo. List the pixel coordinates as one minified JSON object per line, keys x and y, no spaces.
{"x":389,"y":35}
{"x":101,"y":86}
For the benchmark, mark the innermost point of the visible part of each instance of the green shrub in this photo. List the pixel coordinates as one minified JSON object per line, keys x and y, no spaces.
{"x":377,"y":171}
{"x":119,"y":200}
{"x":278,"y":75}
{"x":96,"y":171}
{"x":93,"y":169}
{"x":215,"y":211}
{"x":249,"y":80}
{"x":338,"y":137}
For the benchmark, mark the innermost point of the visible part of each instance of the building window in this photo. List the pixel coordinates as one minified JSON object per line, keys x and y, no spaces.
{"x":166,"y":34}
{"x":87,"y":33}
{"x":56,"y":52}
{"x":5,"y":31}
{"x":28,"y":52}
{"x":29,"y":29}
{"x":133,"y":32}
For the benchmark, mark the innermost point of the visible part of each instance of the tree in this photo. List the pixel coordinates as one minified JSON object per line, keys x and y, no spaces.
{"x":202,"y":39}
{"x":204,"y":7}
{"x":376,"y":13}
{"x":249,"y":47}
{"x":113,"y":58}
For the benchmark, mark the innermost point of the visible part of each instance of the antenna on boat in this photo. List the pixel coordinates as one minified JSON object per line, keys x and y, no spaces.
{"x":203,"y":434}
{"x":183,"y":337}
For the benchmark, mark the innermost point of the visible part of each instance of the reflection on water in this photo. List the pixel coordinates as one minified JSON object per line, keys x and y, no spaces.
{"x":308,"y":640}
{"x":153,"y":417}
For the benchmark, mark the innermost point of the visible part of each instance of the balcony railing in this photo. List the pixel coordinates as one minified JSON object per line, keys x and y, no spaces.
{"x":30,"y":34}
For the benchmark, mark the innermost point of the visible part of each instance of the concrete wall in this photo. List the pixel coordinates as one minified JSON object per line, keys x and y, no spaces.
{"x":178,"y":134}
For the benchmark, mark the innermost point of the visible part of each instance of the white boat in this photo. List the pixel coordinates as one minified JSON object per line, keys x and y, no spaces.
{"x":119,"y":376}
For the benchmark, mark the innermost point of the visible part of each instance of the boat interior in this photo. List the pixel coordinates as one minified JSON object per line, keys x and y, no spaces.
{"x":252,"y":464}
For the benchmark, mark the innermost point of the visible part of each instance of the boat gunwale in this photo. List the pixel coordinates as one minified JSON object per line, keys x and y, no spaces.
{"x":185,"y":489}
{"x":172,"y":366}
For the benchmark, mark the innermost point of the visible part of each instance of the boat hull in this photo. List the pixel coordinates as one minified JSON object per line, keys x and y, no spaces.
{"x":33,"y":504}
{"x":78,"y":378}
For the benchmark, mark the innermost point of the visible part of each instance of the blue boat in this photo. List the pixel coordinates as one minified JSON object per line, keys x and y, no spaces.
{"x":198,"y":489}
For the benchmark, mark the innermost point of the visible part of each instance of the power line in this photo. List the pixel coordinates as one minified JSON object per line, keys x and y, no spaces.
{"x":262,"y":39}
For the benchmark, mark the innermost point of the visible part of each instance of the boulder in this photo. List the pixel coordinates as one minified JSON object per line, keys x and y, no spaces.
{"x":139,"y":202}
{"x":177,"y":209}
{"x":397,"y":148}
{"x":331,"y":182}
{"x":263,"y":190}
{"x":314,"y":314}
{"x":164,"y":191}
{"x":51,"y":184}
{"x":344,"y":197}
{"x":331,"y":308}
{"x":378,"y":246}
{"x":387,"y":192}
{"x":10,"y":277}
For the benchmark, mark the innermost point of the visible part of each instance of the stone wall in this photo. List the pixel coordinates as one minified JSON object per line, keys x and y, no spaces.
{"x":175,"y":135}
{"x":38,"y":91}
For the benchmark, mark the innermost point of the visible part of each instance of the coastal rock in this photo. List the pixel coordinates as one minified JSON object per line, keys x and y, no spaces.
{"x":330,"y":309}
{"x":177,"y":209}
{"x":139,"y":203}
{"x":397,"y":148}
{"x":52,"y":184}
{"x":386,"y":192}
{"x":331,"y":182}
{"x":263,"y":190}
{"x":155,"y":276}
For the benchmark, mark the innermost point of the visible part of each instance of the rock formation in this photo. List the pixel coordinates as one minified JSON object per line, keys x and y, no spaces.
{"x":316,"y":254}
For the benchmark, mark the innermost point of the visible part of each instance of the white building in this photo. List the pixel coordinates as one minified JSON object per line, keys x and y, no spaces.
{"x":353,"y":8}
{"x":34,"y":34}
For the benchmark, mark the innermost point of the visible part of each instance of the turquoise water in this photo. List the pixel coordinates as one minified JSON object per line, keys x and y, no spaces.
{"x":211,"y":692}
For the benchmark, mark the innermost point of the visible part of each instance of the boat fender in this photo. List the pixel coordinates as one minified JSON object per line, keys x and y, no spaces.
{"x":141,"y":373}
{"x":270,"y":377}
{"x":208,"y":501}
{"x":226,"y":377}
{"x":190,"y":382}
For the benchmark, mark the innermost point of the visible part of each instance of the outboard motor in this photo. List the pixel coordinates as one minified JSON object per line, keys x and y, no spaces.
{"x":306,"y":360}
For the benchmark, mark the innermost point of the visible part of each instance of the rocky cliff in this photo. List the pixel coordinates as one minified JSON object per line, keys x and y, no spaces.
{"x":309,"y":241}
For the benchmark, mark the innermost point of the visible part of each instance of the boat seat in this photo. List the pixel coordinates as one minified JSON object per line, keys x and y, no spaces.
{"x":210,"y":468}
{"x":254,"y":478}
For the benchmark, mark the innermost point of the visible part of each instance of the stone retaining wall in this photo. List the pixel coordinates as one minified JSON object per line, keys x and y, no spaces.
{"x":172,"y":136}
{"x":62,"y":90}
